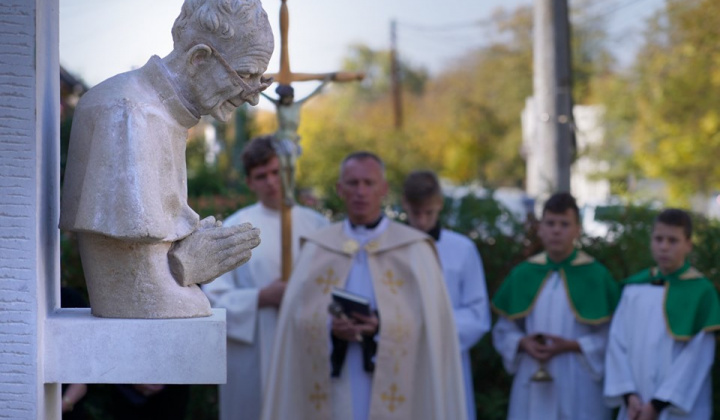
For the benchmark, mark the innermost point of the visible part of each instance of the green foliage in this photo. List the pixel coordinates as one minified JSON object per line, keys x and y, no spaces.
{"x":677,"y":134}
{"x":626,"y":248}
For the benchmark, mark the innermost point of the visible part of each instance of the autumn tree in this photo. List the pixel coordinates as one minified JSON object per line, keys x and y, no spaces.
{"x":677,"y":133}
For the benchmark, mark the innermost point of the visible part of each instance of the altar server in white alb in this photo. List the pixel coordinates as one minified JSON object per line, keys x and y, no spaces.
{"x":253,"y":292}
{"x":554,"y":315}
{"x":662,"y":341}
{"x":461,"y":264}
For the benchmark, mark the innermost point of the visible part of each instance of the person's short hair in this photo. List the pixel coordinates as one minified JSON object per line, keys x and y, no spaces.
{"x":362,"y":155}
{"x":561,"y":202}
{"x":257,"y":152}
{"x":421,"y":186}
{"x":219,"y":18}
{"x":677,"y":218}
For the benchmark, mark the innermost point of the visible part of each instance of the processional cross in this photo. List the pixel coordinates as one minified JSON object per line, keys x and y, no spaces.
{"x":286,"y":137}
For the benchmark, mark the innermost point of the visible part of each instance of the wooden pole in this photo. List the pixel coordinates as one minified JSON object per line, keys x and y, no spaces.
{"x":286,"y":239}
{"x":285,"y":75}
{"x":284,"y":78}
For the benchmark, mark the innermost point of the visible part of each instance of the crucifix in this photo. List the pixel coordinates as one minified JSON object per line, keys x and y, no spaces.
{"x":286,"y":137}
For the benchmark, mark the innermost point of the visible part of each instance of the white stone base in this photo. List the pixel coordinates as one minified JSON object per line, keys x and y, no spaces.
{"x":81,"y":348}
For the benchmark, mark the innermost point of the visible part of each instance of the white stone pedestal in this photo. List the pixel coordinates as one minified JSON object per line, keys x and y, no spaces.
{"x":81,"y":348}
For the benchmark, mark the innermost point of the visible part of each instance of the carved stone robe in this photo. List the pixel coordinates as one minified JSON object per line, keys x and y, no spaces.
{"x":417,"y":371}
{"x":126,"y":183}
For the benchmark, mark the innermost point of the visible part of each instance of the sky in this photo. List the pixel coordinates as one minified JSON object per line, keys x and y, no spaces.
{"x":99,"y":39}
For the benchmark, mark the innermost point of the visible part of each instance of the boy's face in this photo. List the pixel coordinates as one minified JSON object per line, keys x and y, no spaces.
{"x":669,"y":247}
{"x":424,"y":216}
{"x":558,"y":232}
{"x":264,"y":181}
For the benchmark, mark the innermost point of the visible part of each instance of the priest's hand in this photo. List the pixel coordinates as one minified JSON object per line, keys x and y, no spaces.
{"x":211,"y":251}
{"x":344,"y":328}
{"x":634,"y":407}
{"x":272,"y":294}
{"x":366,"y":324}
{"x":352,"y":329}
{"x":536,"y":348}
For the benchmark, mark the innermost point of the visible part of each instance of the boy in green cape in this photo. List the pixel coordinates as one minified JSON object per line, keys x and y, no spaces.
{"x":554,"y":311}
{"x":661,"y":345}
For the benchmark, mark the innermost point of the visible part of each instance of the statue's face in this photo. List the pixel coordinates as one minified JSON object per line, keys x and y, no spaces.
{"x":236,"y":76}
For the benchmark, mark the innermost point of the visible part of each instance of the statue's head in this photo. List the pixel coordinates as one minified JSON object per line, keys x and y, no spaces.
{"x":226,"y":45}
{"x":286,"y":94}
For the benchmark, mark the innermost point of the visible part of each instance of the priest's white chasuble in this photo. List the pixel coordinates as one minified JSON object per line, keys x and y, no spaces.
{"x":417,"y":371}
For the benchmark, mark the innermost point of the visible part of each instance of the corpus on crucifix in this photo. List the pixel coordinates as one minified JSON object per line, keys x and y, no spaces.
{"x":288,"y":117}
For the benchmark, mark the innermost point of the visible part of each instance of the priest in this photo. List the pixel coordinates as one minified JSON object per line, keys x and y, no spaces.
{"x":399,"y":362}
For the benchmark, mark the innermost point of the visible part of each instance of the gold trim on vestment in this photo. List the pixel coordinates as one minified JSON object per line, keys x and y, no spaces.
{"x":540,"y":258}
{"x":350,"y":246}
{"x":582,"y":258}
{"x":691,"y":274}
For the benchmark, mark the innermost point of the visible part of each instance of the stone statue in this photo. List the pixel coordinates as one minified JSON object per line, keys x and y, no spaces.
{"x":143,"y":249}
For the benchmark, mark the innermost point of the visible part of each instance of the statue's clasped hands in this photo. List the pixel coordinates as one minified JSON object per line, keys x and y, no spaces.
{"x":211,"y":250}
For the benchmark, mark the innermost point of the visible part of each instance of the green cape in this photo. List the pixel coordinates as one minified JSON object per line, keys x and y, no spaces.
{"x":691,"y":300}
{"x":593,"y":293}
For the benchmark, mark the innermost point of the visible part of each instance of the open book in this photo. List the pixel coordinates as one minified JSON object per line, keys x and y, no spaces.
{"x":351,"y":302}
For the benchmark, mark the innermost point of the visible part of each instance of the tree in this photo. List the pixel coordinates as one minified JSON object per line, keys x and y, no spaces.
{"x":677,"y":134}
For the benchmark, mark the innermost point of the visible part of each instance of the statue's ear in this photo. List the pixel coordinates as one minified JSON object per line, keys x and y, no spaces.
{"x":199,"y":55}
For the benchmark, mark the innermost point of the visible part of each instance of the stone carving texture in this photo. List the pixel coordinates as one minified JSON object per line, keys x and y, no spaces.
{"x":144,"y":250}
{"x":18,"y":242}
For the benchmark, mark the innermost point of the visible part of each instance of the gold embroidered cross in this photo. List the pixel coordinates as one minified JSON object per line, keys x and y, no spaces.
{"x":328,"y":282}
{"x":398,"y":331}
{"x":315,"y":330}
{"x":390,"y":281}
{"x":318,"y":397}
{"x":393,"y":399}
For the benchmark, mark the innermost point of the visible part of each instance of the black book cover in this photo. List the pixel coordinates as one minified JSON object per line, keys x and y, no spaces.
{"x":351,"y":302}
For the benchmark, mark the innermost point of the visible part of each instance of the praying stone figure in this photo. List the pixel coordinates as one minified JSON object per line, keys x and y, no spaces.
{"x":144,"y":250}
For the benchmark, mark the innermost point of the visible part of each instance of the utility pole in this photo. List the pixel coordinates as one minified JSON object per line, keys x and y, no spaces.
{"x":552,"y":91}
{"x":395,"y":77}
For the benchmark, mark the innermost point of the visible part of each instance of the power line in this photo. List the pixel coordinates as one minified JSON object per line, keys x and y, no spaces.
{"x":446,"y":26}
{"x":610,"y":11}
